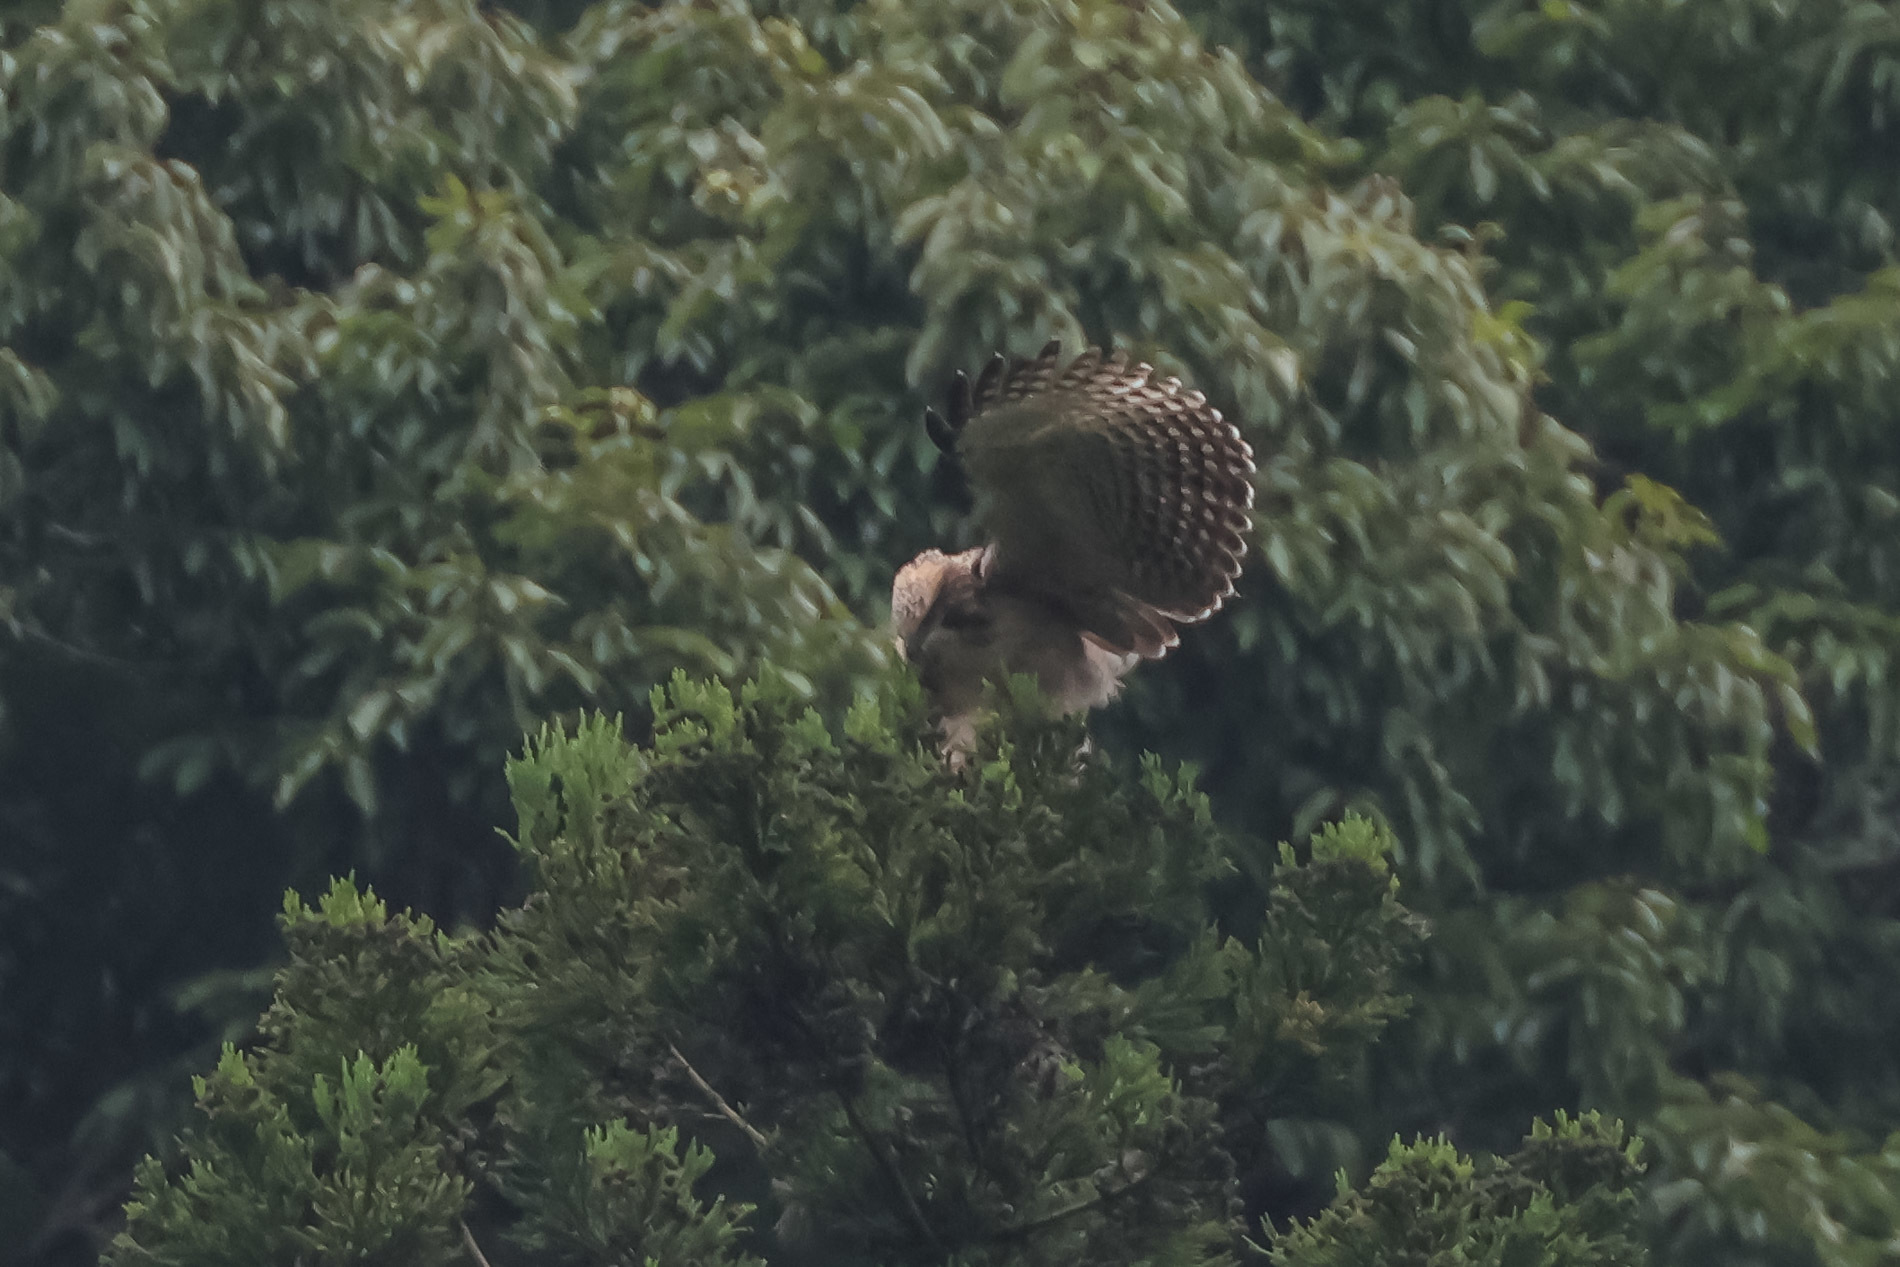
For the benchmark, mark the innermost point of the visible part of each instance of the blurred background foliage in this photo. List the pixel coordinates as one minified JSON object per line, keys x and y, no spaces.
{"x":378,"y":379}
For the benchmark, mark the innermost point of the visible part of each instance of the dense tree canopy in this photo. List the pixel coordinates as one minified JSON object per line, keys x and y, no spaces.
{"x":380,"y":379}
{"x":986,"y":1020}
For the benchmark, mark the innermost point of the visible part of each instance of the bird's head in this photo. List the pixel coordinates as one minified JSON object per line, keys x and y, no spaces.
{"x":934,"y":591}
{"x":943,"y":621}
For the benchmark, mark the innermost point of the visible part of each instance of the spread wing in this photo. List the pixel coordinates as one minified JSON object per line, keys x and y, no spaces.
{"x":1121,"y":496}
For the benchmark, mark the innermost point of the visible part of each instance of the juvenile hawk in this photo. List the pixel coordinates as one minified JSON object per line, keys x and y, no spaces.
{"x":1115,"y":507}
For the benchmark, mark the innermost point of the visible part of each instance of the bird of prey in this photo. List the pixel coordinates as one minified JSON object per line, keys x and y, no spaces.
{"x":1115,"y":506}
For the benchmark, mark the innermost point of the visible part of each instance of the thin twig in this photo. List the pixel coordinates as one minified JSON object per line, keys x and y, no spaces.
{"x":731,"y":1114}
{"x":475,"y":1251}
{"x":1022,"y":1230}
{"x":888,"y":1164}
{"x":82,"y":654}
{"x":965,"y":1118}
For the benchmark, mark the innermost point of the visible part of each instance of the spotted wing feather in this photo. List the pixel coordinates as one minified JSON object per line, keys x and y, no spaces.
{"x":1124,"y":494}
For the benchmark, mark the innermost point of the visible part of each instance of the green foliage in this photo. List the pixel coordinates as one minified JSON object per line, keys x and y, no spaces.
{"x":1568,"y":1195}
{"x":1315,"y":925}
{"x":373,"y":1163}
{"x":378,"y":381}
{"x":342,"y":1169}
{"x":632,"y":1202}
{"x":1688,"y":208}
{"x":923,"y":1015}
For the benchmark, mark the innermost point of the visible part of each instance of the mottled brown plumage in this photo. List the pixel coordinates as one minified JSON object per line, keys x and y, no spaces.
{"x":1116,"y":507}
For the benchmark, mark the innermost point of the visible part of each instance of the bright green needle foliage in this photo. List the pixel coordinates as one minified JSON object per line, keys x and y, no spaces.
{"x":1566,"y":1198}
{"x":344,"y":1167}
{"x":985,"y":1016}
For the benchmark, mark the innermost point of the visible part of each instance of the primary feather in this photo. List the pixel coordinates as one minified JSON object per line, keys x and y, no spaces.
{"x":1116,"y":506}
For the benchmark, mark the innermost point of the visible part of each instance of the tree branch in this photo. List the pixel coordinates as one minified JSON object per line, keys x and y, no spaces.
{"x":474,"y":1250}
{"x":1021,"y":1230}
{"x":888,"y":1165}
{"x":731,"y":1114}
